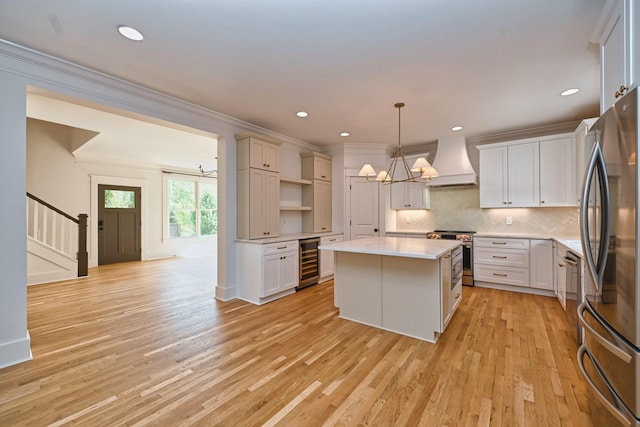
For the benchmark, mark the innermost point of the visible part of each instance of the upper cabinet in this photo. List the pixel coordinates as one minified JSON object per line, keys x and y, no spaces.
{"x":409,"y":195}
{"x":557,"y":172}
{"x":528,"y":173}
{"x":317,"y":168}
{"x":509,"y":176}
{"x":258,"y":152}
{"x":619,"y":44}
{"x":258,"y":199}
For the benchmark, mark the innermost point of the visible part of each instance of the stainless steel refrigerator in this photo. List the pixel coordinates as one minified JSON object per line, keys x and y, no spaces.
{"x":610,"y":355}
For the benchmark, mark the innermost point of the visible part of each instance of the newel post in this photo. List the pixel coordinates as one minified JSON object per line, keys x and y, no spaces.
{"x":83,"y":255}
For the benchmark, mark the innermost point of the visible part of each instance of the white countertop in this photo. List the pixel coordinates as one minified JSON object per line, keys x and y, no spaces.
{"x":574,"y":245}
{"x":285,"y":237}
{"x":396,"y":246}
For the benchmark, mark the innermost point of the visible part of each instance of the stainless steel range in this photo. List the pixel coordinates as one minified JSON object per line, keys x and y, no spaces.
{"x":467,"y":250}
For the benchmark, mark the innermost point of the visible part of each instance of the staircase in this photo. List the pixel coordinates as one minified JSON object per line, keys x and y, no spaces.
{"x":56,"y":243}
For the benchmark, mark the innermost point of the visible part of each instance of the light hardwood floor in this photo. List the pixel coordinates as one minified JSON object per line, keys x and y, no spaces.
{"x":146,"y":344}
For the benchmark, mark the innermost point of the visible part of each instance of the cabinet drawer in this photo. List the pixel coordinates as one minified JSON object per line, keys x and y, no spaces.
{"x":505,"y":275}
{"x":274,"y":248}
{"x":327,"y":240}
{"x":507,"y":257}
{"x":496,"y":242}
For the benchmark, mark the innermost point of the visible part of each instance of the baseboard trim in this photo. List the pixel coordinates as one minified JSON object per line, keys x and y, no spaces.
{"x":14,"y":352}
{"x":226,"y":294}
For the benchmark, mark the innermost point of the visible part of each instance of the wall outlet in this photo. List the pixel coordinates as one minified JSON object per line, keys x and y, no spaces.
{"x":284,"y":222}
{"x":509,"y":220}
{"x":408,"y":220}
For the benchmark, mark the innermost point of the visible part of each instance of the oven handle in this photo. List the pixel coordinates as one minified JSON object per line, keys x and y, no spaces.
{"x":602,"y":398}
{"x":617,"y":351}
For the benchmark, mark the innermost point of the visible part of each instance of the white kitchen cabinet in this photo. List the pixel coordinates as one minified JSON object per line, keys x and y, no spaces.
{"x":445,"y":285}
{"x":317,"y":168}
{"x":557,"y":172}
{"x":327,"y":261}
{"x":258,"y":204}
{"x":540,"y":264}
{"x":619,"y":42}
{"x":409,"y":195}
{"x":258,"y":188}
{"x":267,"y":271}
{"x":257,"y":152}
{"x":502,"y":261}
{"x":533,"y":172}
{"x":560,"y":273}
{"x":509,"y":176}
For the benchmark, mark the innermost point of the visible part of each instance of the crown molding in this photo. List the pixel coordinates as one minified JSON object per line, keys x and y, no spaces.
{"x":60,"y":76}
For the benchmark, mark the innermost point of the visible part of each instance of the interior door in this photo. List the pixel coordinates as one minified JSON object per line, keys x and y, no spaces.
{"x":363,"y":202}
{"x":119,"y":224}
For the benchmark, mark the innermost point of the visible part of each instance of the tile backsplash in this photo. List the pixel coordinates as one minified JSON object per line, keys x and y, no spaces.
{"x":458,"y":208}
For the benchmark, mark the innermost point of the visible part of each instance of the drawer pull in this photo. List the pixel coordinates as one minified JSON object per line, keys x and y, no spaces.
{"x":499,"y":243}
{"x":499,"y":275}
{"x":457,"y":296}
{"x":332,"y":240}
{"x":282,"y":247}
{"x":499,"y":257}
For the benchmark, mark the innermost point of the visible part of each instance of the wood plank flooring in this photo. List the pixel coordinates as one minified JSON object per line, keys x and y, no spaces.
{"x":146,"y":344}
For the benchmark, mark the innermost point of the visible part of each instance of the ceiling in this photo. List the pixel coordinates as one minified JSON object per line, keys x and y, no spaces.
{"x":491,"y":66}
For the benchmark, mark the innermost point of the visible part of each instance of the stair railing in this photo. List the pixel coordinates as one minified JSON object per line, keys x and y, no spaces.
{"x":58,"y":230}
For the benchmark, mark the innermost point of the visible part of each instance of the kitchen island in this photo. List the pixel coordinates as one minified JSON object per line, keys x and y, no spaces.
{"x":402,"y":285}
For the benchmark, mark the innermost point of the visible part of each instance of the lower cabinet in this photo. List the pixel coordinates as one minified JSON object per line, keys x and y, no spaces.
{"x":327,"y":260}
{"x":541,"y":255}
{"x":526,"y":263}
{"x":267,"y":271}
{"x":502,"y":261}
{"x":559,"y":270}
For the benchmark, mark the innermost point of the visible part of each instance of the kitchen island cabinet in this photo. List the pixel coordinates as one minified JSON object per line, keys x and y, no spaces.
{"x":396,"y":284}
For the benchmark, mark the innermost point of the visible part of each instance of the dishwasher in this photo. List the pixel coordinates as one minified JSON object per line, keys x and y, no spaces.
{"x":574,"y":292}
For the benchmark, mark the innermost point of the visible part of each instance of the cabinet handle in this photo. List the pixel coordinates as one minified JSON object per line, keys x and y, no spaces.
{"x":504,"y":203}
{"x":560,"y":265}
{"x":541,"y":201}
{"x":498,"y":243}
{"x":332,"y":240}
{"x":457,"y":296}
{"x":447,"y":256}
{"x":509,"y":202}
{"x":499,"y":257}
{"x":621,"y":91}
{"x":282,"y":247}
{"x":499,"y":275}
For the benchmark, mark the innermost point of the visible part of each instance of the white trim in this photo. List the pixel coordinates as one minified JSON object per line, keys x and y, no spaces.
{"x":14,"y":352}
{"x":93,"y":225}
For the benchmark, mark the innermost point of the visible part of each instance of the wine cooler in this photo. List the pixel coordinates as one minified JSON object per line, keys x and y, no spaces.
{"x":309,"y":262}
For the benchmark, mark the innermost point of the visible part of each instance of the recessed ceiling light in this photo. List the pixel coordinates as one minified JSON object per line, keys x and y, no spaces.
{"x":570,"y":91}
{"x":456,"y":128}
{"x":130,"y":33}
{"x":344,"y":134}
{"x":302,"y":114}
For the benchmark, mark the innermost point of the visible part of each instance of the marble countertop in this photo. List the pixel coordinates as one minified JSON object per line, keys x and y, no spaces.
{"x":396,"y":246}
{"x":574,"y":245}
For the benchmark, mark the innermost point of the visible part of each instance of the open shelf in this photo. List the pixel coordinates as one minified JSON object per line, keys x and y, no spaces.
{"x":290,"y":180}
{"x":295,"y":208}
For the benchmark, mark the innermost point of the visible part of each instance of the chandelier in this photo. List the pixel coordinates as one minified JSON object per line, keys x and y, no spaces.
{"x":421,"y":171}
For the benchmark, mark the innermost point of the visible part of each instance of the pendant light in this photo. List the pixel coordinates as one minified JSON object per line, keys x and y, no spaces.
{"x":421,"y":170}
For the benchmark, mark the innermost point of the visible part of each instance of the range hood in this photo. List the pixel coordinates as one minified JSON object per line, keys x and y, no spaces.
{"x":452,"y":163}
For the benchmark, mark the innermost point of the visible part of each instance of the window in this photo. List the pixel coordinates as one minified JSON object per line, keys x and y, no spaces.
{"x":114,"y":199}
{"x":192,"y":207}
